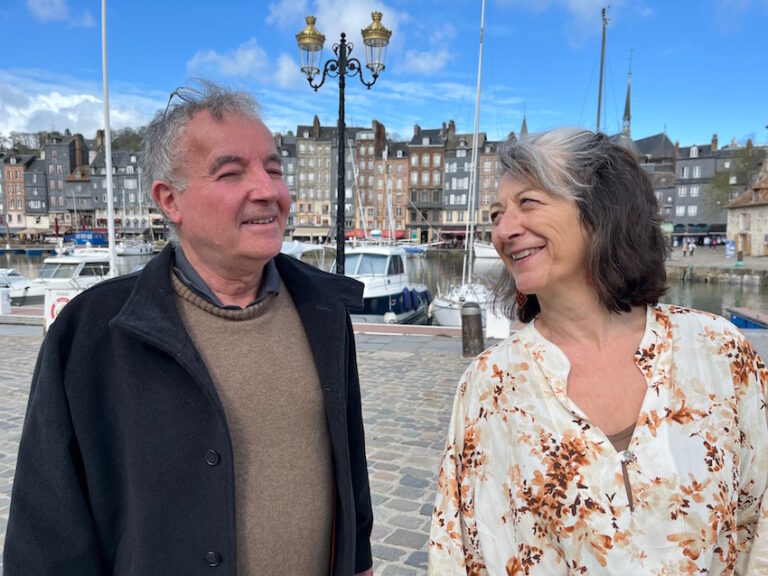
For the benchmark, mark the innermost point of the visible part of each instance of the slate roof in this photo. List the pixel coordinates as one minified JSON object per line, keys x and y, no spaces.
{"x":755,"y":196}
{"x":657,"y":146}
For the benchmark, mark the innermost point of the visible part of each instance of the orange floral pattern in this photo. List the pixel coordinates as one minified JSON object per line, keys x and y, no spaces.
{"x":528,"y":485}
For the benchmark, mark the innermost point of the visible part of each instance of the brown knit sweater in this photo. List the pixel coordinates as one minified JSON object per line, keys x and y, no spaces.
{"x":266,"y":379}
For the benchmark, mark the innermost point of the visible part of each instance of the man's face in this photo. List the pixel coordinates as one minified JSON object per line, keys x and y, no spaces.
{"x":232,"y":214}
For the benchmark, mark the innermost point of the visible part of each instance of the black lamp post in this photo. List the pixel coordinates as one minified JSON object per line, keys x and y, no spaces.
{"x":375,"y":38}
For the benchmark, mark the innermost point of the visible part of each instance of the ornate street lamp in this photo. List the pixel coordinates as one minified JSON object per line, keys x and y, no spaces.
{"x":376,"y":38}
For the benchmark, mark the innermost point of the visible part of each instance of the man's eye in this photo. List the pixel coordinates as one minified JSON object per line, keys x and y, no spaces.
{"x":229,"y":174}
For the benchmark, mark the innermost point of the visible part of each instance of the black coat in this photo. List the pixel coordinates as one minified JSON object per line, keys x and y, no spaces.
{"x":125,"y":462}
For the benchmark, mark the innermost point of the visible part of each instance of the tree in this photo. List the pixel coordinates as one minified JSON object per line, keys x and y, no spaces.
{"x":728,"y":183}
{"x":128,"y":138}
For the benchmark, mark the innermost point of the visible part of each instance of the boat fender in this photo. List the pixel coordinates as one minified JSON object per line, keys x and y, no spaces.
{"x":407,"y":303}
{"x":390,"y":318}
{"x":428,"y":296}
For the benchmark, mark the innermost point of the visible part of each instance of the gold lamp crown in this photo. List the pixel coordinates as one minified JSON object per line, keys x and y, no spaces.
{"x":310,"y":48}
{"x":375,"y":37}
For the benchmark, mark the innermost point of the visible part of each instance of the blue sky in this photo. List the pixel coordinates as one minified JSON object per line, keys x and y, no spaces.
{"x":697,"y":68}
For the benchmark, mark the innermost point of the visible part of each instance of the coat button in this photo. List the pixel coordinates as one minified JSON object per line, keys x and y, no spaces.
{"x":212,"y":458}
{"x":213,"y":558}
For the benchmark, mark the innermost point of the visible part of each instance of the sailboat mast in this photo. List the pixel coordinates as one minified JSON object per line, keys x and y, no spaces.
{"x":602,"y":63}
{"x":469,"y":237}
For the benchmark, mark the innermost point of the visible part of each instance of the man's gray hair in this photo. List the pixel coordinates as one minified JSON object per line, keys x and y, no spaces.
{"x":163,"y":159}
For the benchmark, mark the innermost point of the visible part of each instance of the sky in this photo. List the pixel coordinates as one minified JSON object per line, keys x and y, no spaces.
{"x":698,"y":68}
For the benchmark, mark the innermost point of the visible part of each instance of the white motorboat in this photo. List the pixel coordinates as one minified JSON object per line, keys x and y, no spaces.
{"x":133,"y":248}
{"x":484,"y":250}
{"x":84,"y":268}
{"x":388,"y":297}
{"x":10,"y":278}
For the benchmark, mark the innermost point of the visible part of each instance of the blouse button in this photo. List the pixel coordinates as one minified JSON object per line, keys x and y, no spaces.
{"x":626,"y":456}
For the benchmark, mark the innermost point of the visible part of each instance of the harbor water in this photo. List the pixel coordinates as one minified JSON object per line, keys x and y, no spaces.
{"x":441,"y":269}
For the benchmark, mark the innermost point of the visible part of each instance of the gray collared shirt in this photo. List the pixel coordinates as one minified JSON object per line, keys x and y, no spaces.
{"x":270,"y":280}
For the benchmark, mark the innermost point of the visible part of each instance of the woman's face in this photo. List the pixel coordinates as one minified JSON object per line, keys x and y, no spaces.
{"x":539,"y":238}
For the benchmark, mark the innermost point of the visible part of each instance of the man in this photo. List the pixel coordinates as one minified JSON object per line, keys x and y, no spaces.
{"x":203,"y":416}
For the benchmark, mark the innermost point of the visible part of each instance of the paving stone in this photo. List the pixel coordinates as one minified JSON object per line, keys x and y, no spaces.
{"x":418,"y":559}
{"x":407,"y":538}
{"x":407,"y":521}
{"x":386,"y":552}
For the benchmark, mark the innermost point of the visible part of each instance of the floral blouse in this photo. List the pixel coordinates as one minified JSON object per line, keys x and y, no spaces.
{"x":528,"y":485}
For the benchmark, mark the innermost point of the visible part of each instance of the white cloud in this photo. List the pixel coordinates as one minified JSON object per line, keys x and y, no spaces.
{"x":426,"y":62}
{"x":287,"y":12}
{"x":58,"y":11}
{"x":34,"y":100}
{"x":288,"y":74}
{"x":48,"y":10}
{"x":248,"y":60}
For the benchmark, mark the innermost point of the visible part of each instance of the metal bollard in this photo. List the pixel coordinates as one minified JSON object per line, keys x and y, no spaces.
{"x":471,"y":330}
{"x":740,"y":258}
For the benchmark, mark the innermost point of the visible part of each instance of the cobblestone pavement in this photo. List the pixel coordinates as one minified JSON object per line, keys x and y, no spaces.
{"x":407,"y":383}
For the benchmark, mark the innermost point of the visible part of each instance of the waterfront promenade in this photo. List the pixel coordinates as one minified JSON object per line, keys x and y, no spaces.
{"x":407,"y":382}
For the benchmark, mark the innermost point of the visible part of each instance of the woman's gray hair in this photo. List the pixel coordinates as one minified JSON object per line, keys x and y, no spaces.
{"x":617,"y":210}
{"x":163,"y":159}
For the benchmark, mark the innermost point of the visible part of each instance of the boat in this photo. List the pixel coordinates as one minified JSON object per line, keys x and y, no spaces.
{"x":10,"y":278}
{"x":747,"y":318}
{"x":484,"y":250}
{"x":77,"y":271}
{"x":388,"y":297}
{"x":446,"y":308}
{"x":134,"y":248}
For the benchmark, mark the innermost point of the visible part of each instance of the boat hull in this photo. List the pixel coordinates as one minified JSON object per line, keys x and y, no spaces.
{"x":393,"y":308}
{"x":446,"y":309}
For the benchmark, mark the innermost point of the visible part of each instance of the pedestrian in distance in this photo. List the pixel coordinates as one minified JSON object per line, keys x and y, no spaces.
{"x":202,"y":416}
{"x":692,"y":247}
{"x":611,"y":434}
{"x":685,"y":247}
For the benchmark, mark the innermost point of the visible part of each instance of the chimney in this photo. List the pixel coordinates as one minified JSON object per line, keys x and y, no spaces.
{"x":416,"y":129}
{"x":714,"y":142}
{"x":79,"y":145}
{"x":442,"y":132}
{"x":451,"y":128}
{"x":100,"y":138}
{"x":316,"y":126}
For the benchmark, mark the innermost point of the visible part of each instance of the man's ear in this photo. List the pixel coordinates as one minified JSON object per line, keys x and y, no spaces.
{"x":165,"y":198}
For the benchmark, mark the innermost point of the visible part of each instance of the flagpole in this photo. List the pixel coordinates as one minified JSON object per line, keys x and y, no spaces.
{"x":108,"y":146}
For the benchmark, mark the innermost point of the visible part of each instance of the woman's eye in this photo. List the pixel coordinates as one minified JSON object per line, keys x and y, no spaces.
{"x":495,"y":216}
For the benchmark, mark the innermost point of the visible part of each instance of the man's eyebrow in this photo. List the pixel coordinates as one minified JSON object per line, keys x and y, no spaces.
{"x":219,"y":161}
{"x":274,"y":157}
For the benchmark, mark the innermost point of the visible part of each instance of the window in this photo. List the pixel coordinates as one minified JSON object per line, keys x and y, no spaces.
{"x":694,"y":152}
{"x":425,"y":178}
{"x":425,"y":159}
{"x":694,"y":191}
{"x":53,"y":153}
{"x":684,"y":172}
{"x":682,"y":191}
{"x":436,"y":178}
{"x":58,"y":169}
{"x":399,"y":168}
{"x":399,"y":184}
{"x":449,"y":216}
{"x":436,"y":159}
{"x":129,"y":169}
{"x":461,"y":153}
{"x":697,"y":171}
{"x":130,"y":184}
{"x":486,"y":166}
{"x":732,"y":180}
{"x":727,"y":164}
{"x":680,"y":210}
{"x":370,"y":150}
{"x":415,"y":160}
{"x":50,"y":168}
{"x":692,"y":209}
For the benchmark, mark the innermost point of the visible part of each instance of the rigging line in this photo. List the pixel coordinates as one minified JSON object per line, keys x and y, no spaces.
{"x":586,"y":93}
{"x":615,"y":106}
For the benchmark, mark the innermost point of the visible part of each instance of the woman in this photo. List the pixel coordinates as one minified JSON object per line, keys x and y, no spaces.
{"x":612,"y":434}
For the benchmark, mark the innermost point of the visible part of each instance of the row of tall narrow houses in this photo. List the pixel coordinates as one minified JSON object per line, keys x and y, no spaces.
{"x":417,"y":189}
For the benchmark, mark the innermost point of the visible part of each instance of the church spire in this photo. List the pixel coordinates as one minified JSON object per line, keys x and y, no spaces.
{"x":626,"y":122}
{"x":524,"y":128}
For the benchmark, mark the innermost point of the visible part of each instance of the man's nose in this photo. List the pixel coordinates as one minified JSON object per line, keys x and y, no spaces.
{"x":261,"y":185}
